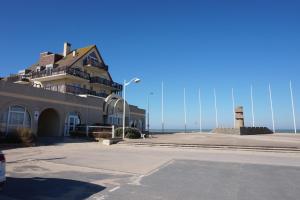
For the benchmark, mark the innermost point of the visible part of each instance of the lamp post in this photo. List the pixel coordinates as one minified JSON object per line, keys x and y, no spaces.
{"x":148,"y":111}
{"x":135,"y":80}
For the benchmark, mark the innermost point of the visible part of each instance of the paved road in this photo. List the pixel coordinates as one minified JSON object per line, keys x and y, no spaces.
{"x":93,"y":171}
{"x":197,"y":180}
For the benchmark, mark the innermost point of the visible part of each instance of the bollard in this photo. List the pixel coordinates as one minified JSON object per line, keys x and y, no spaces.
{"x":113,"y":131}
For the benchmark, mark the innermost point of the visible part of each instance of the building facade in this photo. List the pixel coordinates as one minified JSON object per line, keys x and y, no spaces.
{"x":61,"y":91}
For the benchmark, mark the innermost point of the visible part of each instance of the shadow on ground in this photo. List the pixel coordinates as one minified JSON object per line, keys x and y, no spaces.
{"x":47,"y":188}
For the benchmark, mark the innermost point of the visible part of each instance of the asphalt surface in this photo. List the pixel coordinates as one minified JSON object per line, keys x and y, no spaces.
{"x":89,"y":170}
{"x":35,"y":188}
{"x":196,"y":180}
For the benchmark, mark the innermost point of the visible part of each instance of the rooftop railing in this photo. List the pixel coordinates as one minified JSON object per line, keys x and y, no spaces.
{"x":65,"y":70}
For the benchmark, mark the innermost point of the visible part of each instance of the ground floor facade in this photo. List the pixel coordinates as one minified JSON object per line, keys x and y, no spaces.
{"x":49,"y":113}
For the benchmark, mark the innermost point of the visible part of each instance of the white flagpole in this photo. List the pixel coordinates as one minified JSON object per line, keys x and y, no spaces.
{"x":216,"y":109}
{"x":233,"y":107}
{"x":162,"y":107}
{"x":200,"y":110}
{"x":184,"y":107}
{"x":252,"y":107}
{"x":272,"y":111}
{"x":293,"y":107}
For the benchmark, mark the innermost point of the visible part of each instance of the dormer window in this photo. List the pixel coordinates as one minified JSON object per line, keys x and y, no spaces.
{"x":91,"y":59}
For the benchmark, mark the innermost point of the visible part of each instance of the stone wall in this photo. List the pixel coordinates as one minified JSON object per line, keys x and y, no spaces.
{"x":255,"y":130}
{"x":243,"y":131}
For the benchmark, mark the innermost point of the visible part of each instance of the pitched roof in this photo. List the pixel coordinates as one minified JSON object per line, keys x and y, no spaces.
{"x":69,"y":60}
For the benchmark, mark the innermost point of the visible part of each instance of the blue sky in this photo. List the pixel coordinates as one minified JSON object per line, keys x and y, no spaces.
{"x":192,"y":44}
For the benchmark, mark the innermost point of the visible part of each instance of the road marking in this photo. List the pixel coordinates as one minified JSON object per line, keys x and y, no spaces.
{"x":137,"y":181}
{"x":102,"y":197}
{"x":114,"y":189}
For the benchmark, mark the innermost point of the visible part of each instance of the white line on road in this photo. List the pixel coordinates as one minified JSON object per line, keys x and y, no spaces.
{"x":114,"y":189}
{"x":137,"y":181}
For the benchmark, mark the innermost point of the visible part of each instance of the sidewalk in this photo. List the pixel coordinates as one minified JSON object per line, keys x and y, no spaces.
{"x":274,"y":141}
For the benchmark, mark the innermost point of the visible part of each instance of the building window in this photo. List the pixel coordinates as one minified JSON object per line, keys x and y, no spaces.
{"x":14,"y":117}
{"x":49,"y":69}
{"x":91,"y":59}
{"x":72,"y":121}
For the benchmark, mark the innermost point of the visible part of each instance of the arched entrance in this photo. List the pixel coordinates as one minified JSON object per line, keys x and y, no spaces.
{"x":48,"y":124}
{"x":113,"y":109}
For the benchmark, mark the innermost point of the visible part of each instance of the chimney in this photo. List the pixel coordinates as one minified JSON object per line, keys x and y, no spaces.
{"x":74,"y":53}
{"x":67,"y":48}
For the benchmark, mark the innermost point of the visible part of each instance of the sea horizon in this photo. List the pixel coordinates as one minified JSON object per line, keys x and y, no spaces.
{"x":209,"y":130}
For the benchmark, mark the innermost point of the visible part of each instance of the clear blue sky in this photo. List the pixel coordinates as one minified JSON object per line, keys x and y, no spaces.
{"x":193,"y":44}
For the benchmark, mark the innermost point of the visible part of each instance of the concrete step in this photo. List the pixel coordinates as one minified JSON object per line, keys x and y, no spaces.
{"x":213,"y":146}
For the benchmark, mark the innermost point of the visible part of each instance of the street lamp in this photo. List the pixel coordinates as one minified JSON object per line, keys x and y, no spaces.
{"x":148,"y":110}
{"x":135,"y":80}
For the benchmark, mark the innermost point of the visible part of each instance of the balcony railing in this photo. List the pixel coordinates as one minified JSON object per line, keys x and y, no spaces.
{"x":95,"y":64}
{"x":117,"y":86}
{"x":78,"y":90}
{"x":61,"y":70}
{"x":103,"y":81}
{"x":15,"y":78}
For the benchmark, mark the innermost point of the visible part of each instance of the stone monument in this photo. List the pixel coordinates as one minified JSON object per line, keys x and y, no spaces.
{"x":239,"y":117}
{"x":240,"y":128}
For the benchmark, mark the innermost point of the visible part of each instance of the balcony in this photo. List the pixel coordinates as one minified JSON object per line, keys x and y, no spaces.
{"x":78,"y":90}
{"x":106,"y":82}
{"x":22,"y":79}
{"x":61,"y":71}
{"x":95,"y":64}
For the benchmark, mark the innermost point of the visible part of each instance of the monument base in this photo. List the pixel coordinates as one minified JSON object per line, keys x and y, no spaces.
{"x":243,"y":131}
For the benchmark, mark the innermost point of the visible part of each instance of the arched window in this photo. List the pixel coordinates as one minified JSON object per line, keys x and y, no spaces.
{"x":15,"y":117}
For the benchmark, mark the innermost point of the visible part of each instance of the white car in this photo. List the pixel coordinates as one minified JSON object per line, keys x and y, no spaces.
{"x":2,"y":169}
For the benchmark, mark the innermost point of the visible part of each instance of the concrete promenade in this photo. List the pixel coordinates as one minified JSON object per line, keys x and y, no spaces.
{"x":277,"y":141}
{"x":76,"y":169}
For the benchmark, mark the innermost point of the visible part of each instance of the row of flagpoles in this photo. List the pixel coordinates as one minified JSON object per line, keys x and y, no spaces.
{"x":233,"y":108}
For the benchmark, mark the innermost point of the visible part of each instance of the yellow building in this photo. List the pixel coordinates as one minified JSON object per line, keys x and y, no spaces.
{"x":78,"y":71}
{"x":62,"y":90}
